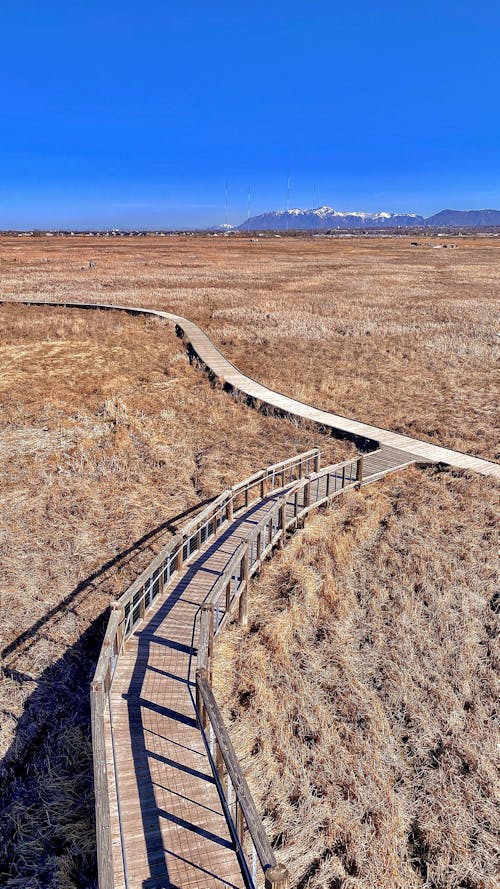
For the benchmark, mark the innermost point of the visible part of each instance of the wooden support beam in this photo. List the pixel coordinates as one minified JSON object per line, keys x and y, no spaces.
{"x":240,"y":822}
{"x":243,"y":613}
{"x":307,"y":492}
{"x":283,"y":523}
{"x":359,"y":470}
{"x":263,"y":487}
{"x":219,"y":762}
{"x":211,"y":634}
{"x":200,"y":706}
{"x":179,"y":557}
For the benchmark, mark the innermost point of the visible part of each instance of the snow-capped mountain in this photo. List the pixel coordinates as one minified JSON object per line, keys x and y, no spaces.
{"x":328,"y":218}
{"x":323,"y":218}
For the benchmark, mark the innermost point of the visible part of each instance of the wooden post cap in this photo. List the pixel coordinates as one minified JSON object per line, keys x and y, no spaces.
{"x":277,"y":877}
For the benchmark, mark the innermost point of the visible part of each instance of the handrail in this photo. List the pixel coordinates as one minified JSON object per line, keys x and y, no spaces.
{"x":224,"y":758}
{"x":308,"y":488}
{"x":300,"y":496}
{"x":363,"y":434}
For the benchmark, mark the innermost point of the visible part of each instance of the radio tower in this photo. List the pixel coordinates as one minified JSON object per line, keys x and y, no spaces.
{"x":288,"y":185}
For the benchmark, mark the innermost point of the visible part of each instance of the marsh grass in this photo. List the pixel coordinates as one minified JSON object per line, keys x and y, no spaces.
{"x":108,"y":439}
{"x":361,"y":697}
{"x":401,"y":337}
{"x":363,"y":687}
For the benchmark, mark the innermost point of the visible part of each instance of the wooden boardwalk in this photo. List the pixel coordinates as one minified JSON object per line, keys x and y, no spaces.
{"x":164,"y":817}
{"x":202,"y":346}
{"x":171,"y":830}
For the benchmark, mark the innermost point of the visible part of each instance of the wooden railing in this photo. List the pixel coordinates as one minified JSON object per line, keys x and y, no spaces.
{"x":228,"y":599}
{"x":131,"y":607}
{"x":300,"y":486}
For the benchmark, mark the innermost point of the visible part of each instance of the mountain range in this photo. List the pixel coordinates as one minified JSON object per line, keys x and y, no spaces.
{"x":327,"y":218}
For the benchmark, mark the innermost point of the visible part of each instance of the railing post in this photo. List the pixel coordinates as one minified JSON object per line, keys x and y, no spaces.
{"x":229,"y":509}
{"x":317,"y":461}
{"x":277,"y":877}
{"x":359,"y":470}
{"x":243,"y":611}
{"x":219,"y":762}
{"x":263,"y":487}
{"x":200,"y":706}
{"x":240,"y":822}
{"x":142,"y":603}
{"x":179,"y":556}
{"x":211,"y":633}
{"x":228,"y":596}
{"x":283,"y":523}
{"x":307,"y":492}
{"x":121,"y":626}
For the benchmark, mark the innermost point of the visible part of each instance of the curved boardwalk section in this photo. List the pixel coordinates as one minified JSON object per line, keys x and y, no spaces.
{"x":202,"y":346}
{"x":172,"y":805}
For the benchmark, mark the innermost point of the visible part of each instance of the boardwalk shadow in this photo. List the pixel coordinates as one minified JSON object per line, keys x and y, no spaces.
{"x":46,"y":781}
{"x":77,"y":596}
{"x":140,"y":707}
{"x":47,"y":798}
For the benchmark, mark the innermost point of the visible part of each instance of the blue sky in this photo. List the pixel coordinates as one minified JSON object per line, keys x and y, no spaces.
{"x":133,"y":114}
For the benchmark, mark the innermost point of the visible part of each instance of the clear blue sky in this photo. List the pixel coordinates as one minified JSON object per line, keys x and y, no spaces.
{"x":121,"y":113}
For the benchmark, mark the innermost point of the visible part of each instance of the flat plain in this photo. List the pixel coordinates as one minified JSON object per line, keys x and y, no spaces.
{"x":399,"y":336}
{"x":376,"y":622}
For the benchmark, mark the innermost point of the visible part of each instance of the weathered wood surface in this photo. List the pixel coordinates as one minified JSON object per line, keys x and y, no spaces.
{"x":173,"y":828}
{"x":167,"y":822}
{"x":202,"y":346}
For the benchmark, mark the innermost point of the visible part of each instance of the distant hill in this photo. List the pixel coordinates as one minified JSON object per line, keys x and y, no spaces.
{"x":465,"y":218}
{"x":323,"y":218}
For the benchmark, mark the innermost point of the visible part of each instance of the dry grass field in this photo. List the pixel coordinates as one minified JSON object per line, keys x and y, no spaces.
{"x":365,"y":727}
{"x":399,"y":336}
{"x":108,"y":439}
{"x":362,"y":695}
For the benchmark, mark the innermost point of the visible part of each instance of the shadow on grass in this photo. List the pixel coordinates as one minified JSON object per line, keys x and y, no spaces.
{"x":47,"y":828}
{"x":28,"y":638}
{"x":47,"y":831}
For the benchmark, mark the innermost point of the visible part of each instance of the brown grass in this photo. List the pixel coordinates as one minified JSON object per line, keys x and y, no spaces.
{"x":377,"y":770}
{"x":108,"y":436}
{"x":390,"y":334}
{"x":362,"y":695}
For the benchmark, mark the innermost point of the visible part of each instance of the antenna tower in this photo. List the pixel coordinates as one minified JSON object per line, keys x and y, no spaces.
{"x":287,"y":200}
